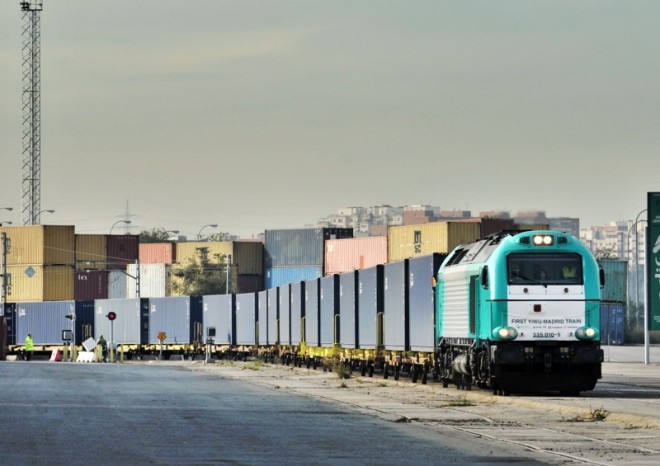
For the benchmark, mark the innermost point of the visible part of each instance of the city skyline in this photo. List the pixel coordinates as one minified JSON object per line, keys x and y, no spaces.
{"x":264,"y":115}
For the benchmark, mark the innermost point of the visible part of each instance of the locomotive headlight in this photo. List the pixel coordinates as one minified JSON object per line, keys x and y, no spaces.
{"x":543,"y":240}
{"x":505,"y":333}
{"x":586,"y":333}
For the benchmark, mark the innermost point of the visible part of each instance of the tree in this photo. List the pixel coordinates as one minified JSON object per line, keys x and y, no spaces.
{"x":203,"y":275}
{"x":156,"y":235}
{"x":220,"y":236}
{"x":605,"y":251}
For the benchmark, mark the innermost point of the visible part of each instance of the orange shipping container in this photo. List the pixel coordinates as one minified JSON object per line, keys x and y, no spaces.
{"x":40,"y":283}
{"x":40,"y":245}
{"x":421,"y":240}
{"x":345,"y":255}
{"x":157,"y":253}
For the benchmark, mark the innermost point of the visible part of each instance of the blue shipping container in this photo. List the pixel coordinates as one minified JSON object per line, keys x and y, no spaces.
{"x":312,"y":312}
{"x":180,"y":318}
{"x":370,"y":305}
{"x":348,"y":307}
{"x":395,"y":315}
{"x":47,"y":319}
{"x":262,"y":317}
{"x":273,"y":315}
{"x":612,"y":323}
{"x":246,"y":319}
{"x":131,"y":324}
{"x":297,"y":312}
{"x":218,"y":313}
{"x":277,"y":276}
{"x":329,"y":309}
{"x":421,"y":301}
{"x":285,"y":314}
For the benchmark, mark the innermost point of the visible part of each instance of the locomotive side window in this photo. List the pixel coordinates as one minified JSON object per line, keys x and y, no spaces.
{"x":547,"y":269}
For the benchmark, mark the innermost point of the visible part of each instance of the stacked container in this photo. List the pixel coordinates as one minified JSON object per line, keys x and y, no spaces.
{"x":40,"y":263}
{"x":297,"y":254}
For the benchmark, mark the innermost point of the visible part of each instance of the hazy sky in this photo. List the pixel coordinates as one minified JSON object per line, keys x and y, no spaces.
{"x":273,"y":114}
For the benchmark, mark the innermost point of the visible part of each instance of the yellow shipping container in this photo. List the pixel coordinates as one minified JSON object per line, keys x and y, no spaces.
{"x":40,"y":283}
{"x":246,"y":256}
{"x":408,"y":241}
{"x":40,"y":245}
{"x":91,"y":251}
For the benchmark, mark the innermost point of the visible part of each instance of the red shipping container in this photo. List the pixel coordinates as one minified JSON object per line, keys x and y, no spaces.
{"x":157,"y":253}
{"x":345,"y":255}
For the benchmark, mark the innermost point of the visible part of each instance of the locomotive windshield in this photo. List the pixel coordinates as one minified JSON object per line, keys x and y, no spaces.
{"x":547,"y":269}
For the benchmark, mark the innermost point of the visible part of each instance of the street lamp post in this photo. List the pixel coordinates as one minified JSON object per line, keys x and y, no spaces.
{"x":127,"y":222}
{"x":50,"y":211}
{"x":637,"y":257}
{"x":199,"y":233}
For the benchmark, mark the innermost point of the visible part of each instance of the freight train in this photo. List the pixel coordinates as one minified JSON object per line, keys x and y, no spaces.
{"x":515,"y":312}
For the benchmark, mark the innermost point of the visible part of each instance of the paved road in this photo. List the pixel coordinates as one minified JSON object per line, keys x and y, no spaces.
{"x":68,"y":413}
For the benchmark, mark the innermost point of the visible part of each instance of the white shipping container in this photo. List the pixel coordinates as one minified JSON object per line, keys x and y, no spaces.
{"x":117,"y":281}
{"x":155,"y":281}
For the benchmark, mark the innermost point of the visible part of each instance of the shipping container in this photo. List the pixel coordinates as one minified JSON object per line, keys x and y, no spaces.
{"x":188,"y":252}
{"x":370,"y":306}
{"x":616,"y":280}
{"x":118,"y":284}
{"x":329,"y":309}
{"x":47,"y":320}
{"x":345,"y":255}
{"x":40,"y":245}
{"x":248,"y":257}
{"x":262,"y":317}
{"x":157,"y":253}
{"x":285,"y":314}
{"x":8,"y":311}
{"x":421,"y":301}
{"x":612,"y":323}
{"x":122,"y":251}
{"x":312,"y":312}
{"x":180,"y":318}
{"x":40,"y":283}
{"x":246,"y":319}
{"x":272,"y":308}
{"x":489,"y":226}
{"x":421,"y":240}
{"x":395,"y":306}
{"x":91,"y":252}
{"x":155,"y":280}
{"x":219,"y":311}
{"x":299,"y":247}
{"x":90,"y":285}
{"x":245,"y":256}
{"x":297,"y":291}
{"x":131,"y":325}
{"x":278,"y":276}
{"x":348,"y":308}
{"x":250,"y":283}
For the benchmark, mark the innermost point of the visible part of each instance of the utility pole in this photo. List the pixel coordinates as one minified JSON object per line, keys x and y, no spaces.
{"x":31,"y":185}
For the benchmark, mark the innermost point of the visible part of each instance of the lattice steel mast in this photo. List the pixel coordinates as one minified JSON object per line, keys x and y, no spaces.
{"x":31,"y":185}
